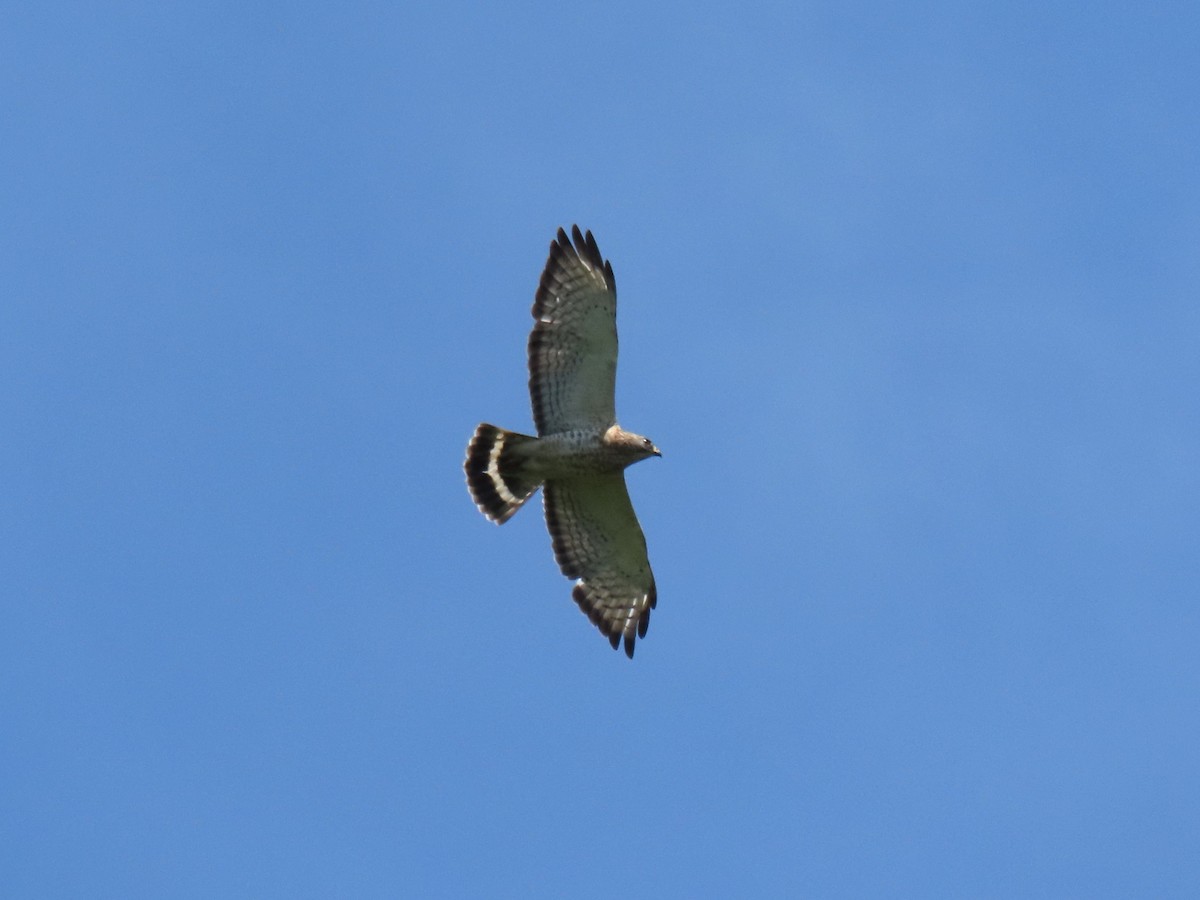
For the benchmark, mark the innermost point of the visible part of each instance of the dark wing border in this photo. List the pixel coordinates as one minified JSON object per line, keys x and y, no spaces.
{"x":582,"y":555}
{"x":564,"y":257}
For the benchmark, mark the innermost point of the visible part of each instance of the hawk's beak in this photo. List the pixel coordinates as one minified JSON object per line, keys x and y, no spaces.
{"x":657,"y":452}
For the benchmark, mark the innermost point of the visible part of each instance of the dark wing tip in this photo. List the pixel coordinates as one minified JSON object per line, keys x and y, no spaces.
{"x":628,"y":632}
{"x":594,"y":250}
{"x":586,"y":248}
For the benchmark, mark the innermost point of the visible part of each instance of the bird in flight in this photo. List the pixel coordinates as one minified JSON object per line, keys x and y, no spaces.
{"x":580,"y":453}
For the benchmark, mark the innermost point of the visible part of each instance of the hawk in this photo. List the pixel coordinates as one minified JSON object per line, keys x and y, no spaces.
{"x":580,"y":453}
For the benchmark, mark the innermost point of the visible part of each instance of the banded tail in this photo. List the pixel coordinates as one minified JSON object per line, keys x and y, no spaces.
{"x":497,"y":475}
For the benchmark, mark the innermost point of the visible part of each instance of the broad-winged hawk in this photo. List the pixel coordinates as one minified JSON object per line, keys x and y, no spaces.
{"x":580,"y":453}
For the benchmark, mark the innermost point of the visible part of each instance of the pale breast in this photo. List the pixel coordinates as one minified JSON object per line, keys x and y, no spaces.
{"x":573,"y":453}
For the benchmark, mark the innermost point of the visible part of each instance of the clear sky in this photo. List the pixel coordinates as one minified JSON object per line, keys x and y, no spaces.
{"x":908,"y":298}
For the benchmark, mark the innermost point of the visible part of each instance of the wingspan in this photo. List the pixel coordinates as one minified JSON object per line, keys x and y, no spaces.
{"x":573,"y":345}
{"x":597,"y":539}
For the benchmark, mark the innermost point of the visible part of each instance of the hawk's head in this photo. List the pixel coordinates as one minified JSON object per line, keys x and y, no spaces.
{"x":632,"y":446}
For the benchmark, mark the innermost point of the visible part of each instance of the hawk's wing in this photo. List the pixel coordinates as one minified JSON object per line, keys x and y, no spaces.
{"x":597,"y":540}
{"x":573,"y":345}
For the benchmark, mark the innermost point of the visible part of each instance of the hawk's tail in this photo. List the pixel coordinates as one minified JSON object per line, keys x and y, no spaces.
{"x":497,"y":473}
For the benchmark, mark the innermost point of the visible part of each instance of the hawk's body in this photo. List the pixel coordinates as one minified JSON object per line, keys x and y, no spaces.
{"x":580,"y":452}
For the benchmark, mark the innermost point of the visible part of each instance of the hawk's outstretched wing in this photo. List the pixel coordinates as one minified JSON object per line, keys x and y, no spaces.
{"x":597,"y":539}
{"x":573,"y":345}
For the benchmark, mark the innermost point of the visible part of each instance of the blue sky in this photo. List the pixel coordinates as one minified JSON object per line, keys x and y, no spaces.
{"x":908,"y":299}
